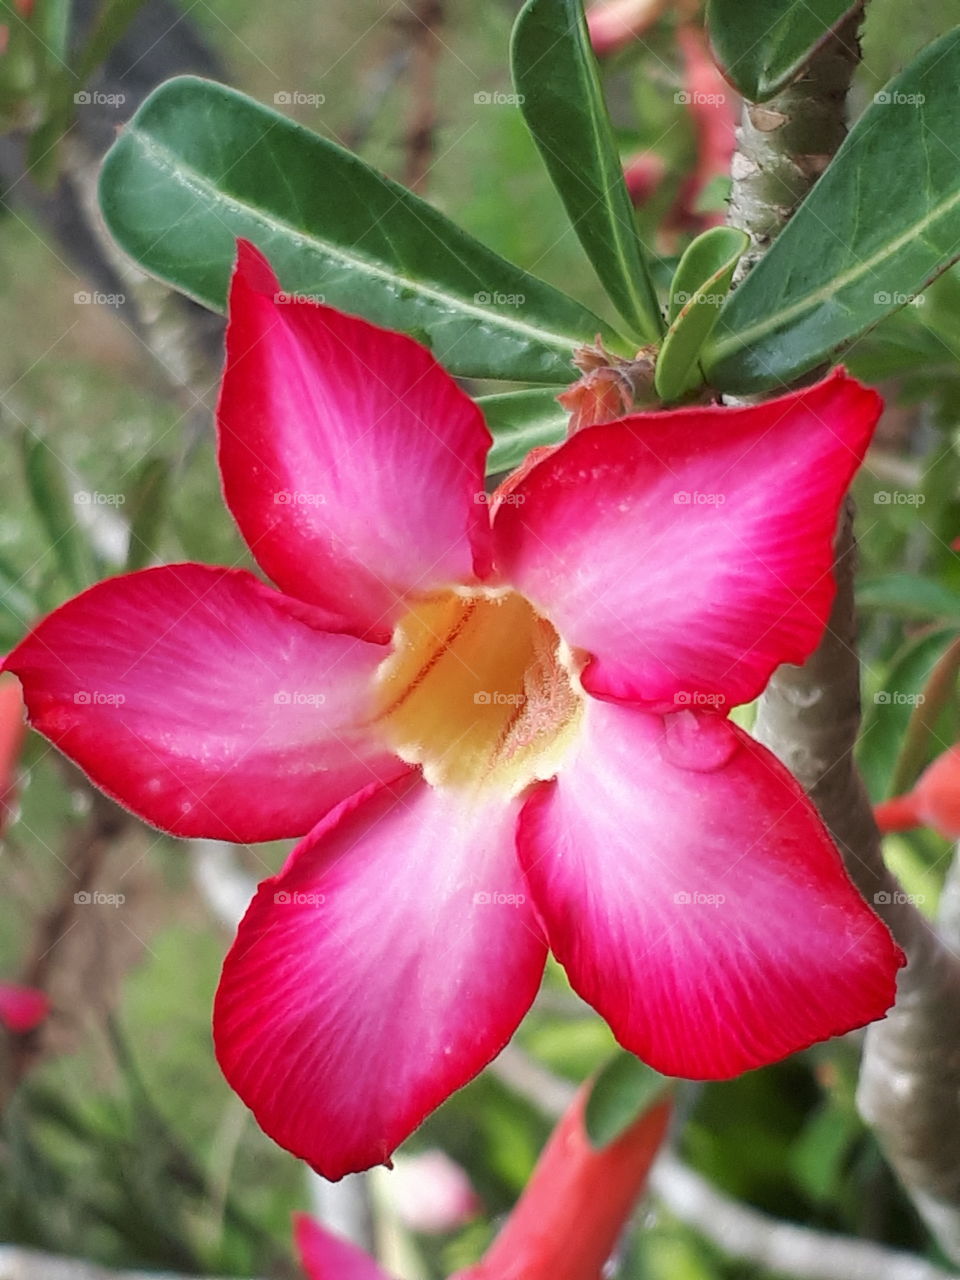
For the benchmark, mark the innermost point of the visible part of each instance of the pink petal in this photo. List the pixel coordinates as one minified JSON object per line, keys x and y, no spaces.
{"x":390,"y":960}
{"x":22,"y":1008}
{"x":694,"y":897}
{"x":690,"y":552}
{"x":351,"y":460}
{"x":325,"y":1256}
{"x":206,"y":702}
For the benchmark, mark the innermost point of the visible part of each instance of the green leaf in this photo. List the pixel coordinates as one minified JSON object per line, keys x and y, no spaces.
{"x":52,"y":19}
{"x":882,"y":222}
{"x":555,"y":73}
{"x":55,"y":505}
{"x":939,"y":694}
{"x":65,"y":90}
{"x":761,"y":45}
{"x":146,"y":510}
{"x":699,"y":287}
{"x":520,"y":421}
{"x":624,"y":1089}
{"x":200,"y":164}
{"x":888,"y":712}
{"x":909,"y":595}
{"x":17,"y":606}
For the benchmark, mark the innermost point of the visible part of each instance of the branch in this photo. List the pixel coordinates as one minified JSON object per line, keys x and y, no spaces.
{"x":809,"y":716}
{"x":30,"y":1264}
{"x":783,"y":1247}
{"x":784,"y":145}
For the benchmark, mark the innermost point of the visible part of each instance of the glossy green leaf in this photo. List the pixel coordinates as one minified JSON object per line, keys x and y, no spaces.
{"x":56,"y":506}
{"x":761,"y":45}
{"x":520,"y":421}
{"x":888,"y":709}
{"x":200,"y":164}
{"x":624,"y":1089}
{"x":555,"y":73}
{"x":909,"y":595}
{"x":920,"y":740}
{"x":697,"y":292}
{"x":882,"y":222}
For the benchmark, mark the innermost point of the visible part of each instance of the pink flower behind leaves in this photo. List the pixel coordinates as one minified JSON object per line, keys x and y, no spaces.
{"x":22,"y":1008}
{"x":431,"y":1193}
{"x":614,"y":24}
{"x":500,"y":726}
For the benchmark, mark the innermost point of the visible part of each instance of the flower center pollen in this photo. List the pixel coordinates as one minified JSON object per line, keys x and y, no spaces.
{"x":479,"y":690}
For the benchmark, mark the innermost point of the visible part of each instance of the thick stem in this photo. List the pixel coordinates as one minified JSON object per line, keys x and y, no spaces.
{"x":784,"y":145}
{"x":810,"y":716}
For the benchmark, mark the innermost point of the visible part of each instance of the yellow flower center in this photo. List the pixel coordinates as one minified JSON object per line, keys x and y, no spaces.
{"x":479,"y":690}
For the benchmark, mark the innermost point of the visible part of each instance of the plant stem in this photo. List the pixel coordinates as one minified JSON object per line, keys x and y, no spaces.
{"x":784,"y":145}
{"x":809,"y":716}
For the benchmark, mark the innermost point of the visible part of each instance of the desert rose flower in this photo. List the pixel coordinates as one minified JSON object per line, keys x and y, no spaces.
{"x":501,"y":726}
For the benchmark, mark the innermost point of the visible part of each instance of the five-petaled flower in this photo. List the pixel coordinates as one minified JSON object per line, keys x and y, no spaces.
{"x":501,"y":726}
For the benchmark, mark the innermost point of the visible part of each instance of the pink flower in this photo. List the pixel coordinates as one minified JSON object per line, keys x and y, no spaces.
{"x":565,"y":1225}
{"x":614,"y":24}
{"x":22,"y":1008}
{"x":431,"y":1193}
{"x":502,"y":724}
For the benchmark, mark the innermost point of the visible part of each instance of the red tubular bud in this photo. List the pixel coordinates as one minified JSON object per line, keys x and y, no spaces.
{"x":568,"y":1220}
